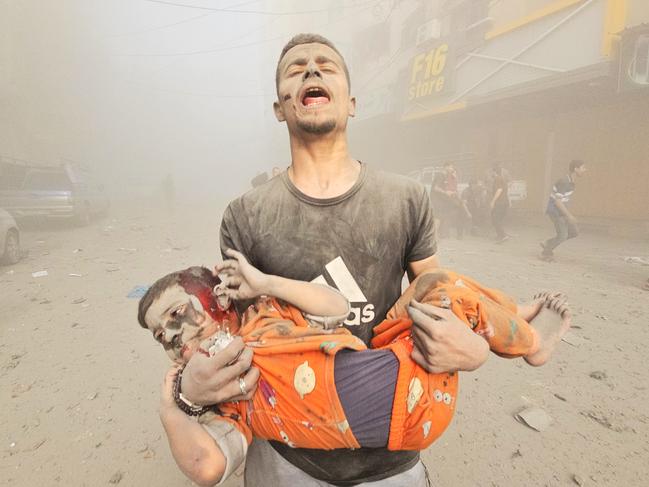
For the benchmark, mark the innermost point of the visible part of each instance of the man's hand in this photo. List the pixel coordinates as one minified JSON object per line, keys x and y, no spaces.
{"x":444,"y":343}
{"x":243,"y":280}
{"x":211,"y":380}
{"x":167,"y":402}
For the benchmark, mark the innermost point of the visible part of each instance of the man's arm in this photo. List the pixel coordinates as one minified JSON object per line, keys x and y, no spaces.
{"x":563,"y":209}
{"x":211,"y":380}
{"x":557,"y":196}
{"x":193,"y":449}
{"x":420,"y":266}
{"x":443,"y":342}
{"x":497,"y":194}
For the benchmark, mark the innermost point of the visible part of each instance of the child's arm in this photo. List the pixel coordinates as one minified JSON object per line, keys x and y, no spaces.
{"x":195,"y":451}
{"x":244,"y":281}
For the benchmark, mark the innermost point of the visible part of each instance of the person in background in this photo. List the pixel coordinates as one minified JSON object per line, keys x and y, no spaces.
{"x":474,"y":198}
{"x":447,"y":202}
{"x":564,"y":221}
{"x":499,"y":205}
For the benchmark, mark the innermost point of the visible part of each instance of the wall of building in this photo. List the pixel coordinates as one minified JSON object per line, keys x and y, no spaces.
{"x":615,"y":143}
{"x":637,"y":12}
{"x":611,"y":138}
{"x":507,"y":11}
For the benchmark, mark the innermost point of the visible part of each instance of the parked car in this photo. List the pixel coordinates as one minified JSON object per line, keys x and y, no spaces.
{"x":9,"y":239}
{"x":55,"y":192}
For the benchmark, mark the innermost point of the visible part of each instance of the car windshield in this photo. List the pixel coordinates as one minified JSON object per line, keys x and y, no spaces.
{"x":47,"y":181}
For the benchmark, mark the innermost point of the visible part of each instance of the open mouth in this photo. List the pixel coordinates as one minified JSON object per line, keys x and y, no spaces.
{"x":314,"y":96}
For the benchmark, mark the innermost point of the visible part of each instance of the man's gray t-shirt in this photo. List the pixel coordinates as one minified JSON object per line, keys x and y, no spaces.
{"x":360,"y":243}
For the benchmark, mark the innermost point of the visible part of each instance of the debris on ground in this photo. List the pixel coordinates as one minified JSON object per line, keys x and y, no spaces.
{"x":137,"y":292}
{"x":116,"y":478}
{"x":39,"y":274}
{"x":598,"y":375}
{"x":577,"y":479}
{"x":636,"y":260}
{"x":572,"y":339}
{"x":534,"y":417}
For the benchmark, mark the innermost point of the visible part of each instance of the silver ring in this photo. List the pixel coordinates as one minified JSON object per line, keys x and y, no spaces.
{"x":242,"y":386}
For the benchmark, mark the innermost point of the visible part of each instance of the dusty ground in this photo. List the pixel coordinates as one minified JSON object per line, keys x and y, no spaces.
{"x":80,"y":379}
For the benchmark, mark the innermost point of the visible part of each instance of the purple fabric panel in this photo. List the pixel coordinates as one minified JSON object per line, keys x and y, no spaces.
{"x":365,"y":382}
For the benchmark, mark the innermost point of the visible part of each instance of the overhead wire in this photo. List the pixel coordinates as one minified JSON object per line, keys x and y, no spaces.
{"x":160,"y":27}
{"x":180,"y":22}
{"x":364,"y":6}
{"x":238,"y":11}
{"x":239,"y":46}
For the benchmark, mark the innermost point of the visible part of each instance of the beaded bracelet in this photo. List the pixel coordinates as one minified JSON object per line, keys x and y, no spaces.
{"x":183,"y":404}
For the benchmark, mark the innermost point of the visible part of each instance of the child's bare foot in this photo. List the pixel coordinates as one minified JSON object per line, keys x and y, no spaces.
{"x":528,"y":311}
{"x":550,"y":323}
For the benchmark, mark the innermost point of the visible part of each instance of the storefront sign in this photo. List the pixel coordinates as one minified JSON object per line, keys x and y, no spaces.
{"x":430,"y":73}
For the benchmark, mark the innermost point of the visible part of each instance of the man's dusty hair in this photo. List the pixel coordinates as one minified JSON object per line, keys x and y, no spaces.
{"x":309,"y":39}
{"x":197,"y":274}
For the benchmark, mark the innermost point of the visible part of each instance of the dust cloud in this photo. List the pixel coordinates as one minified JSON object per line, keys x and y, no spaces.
{"x":161,"y":112}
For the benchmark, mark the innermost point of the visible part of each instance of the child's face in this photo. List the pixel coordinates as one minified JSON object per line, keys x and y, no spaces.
{"x":179,"y":322}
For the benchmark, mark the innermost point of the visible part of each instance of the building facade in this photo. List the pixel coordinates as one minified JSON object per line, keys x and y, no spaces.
{"x":530,"y":84}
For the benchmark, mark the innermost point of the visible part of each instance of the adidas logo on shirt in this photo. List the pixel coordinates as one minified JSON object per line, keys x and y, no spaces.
{"x":337,"y":275}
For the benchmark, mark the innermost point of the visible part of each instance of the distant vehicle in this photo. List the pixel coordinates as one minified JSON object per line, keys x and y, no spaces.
{"x":9,"y":239}
{"x":54,"y":192}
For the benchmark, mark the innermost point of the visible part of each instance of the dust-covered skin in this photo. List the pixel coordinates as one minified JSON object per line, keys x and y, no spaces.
{"x":179,"y":322}
{"x":313,"y":90}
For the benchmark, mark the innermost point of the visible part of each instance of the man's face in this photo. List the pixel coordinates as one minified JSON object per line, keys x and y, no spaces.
{"x":450,"y":170}
{"x":313,"y":93}
{"x":178,"y":321}
{"x":580,"y":170}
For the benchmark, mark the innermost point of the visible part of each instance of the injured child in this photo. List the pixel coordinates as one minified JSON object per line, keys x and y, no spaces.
{"x":321,"y":387}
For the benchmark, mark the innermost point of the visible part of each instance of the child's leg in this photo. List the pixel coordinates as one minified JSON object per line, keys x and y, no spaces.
{"x":487,"y":311}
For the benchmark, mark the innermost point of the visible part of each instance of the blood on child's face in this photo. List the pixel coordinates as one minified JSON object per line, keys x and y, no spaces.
{"x":179,"y":322}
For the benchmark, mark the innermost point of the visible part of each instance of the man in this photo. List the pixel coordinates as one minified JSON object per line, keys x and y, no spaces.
{"x":331,"y":219}
{"x":474,"y":198}
{"x":447,"y":202}
{"x":499,"y":204}
{"x":564,"y":222}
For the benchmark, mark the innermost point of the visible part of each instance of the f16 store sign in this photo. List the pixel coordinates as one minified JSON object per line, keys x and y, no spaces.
{"x":430,"y":73}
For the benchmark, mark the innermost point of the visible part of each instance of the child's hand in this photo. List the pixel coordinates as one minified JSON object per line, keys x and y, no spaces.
{"x":242,"y":280}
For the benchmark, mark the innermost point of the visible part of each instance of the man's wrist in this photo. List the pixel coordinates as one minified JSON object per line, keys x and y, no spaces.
{"x":480,"y":355}
{"x":182,"y":402}
{"x":170,"y":414}
{"x":272,"y":285}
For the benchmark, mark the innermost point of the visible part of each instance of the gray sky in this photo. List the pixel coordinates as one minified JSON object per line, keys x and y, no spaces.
{"x":127,"y":86}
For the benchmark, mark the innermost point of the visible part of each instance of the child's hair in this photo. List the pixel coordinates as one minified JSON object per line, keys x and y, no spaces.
{"x":195,"y":280}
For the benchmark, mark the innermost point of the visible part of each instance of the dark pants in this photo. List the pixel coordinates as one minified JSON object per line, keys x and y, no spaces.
{"x":565,"y":230}
{"x":451,"y":215}
{"x":498,"y":215}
